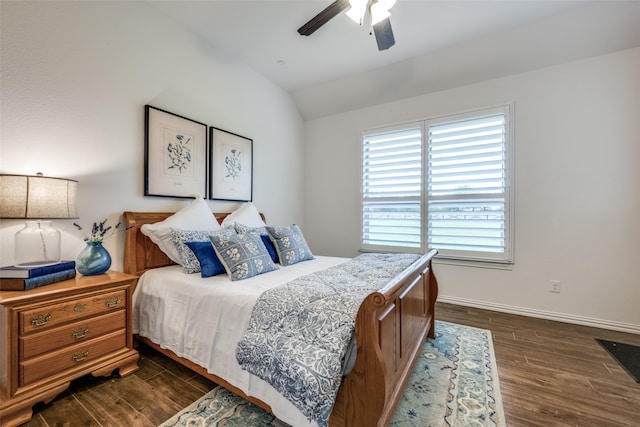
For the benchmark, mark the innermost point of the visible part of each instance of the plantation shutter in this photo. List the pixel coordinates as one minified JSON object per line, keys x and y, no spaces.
{"x":392,"y":190}
{"x":467,"y":188}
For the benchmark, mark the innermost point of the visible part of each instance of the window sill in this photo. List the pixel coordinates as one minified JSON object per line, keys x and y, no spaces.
{"x":474,"y":264}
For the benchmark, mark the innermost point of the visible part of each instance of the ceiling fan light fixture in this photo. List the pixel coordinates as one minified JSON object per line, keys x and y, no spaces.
{"x":356,"y":15}
{"x":357,"y":10}
{"x":378,"y":13}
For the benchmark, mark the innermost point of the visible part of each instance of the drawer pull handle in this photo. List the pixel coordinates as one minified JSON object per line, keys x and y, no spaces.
{"x":78,"y":357}
{"x":112,"y":302}
{"x":42,"y":319}
{"x":79,"y":307}
{"x":80,"y":333}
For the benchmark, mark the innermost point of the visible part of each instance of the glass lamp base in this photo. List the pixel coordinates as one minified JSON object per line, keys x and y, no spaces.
{"x":37,"y":244}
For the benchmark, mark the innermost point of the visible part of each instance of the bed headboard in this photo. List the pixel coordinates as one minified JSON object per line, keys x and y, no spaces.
{"x":140,"y":253}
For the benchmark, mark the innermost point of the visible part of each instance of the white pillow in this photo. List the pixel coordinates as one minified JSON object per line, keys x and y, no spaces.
{"x":246,"y":214}
{"x":195,"y":216}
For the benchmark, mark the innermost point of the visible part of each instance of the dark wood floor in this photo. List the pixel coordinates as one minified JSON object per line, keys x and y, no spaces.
{"x":551,"y":374}
{"x":555,"y":374}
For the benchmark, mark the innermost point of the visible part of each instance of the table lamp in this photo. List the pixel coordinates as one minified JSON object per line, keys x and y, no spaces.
{"x":37,"y":198}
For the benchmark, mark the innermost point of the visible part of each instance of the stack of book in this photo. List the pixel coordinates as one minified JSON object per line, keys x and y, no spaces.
{"x":25,"y":278}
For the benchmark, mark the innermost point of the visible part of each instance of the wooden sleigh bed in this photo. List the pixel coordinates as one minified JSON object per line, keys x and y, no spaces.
{"x":391,"y":328}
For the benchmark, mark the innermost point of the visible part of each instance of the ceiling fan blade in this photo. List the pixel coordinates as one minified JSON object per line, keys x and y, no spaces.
{"x":323,"y":17}
{"x":384,"y":34}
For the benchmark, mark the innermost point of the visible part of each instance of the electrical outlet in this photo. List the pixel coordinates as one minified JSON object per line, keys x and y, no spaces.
{"x":555,"y":286}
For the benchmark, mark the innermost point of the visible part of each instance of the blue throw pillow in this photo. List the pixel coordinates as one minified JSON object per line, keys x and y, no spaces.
{"x":264,"y":236}
{"x":290,"y":244}
{"x":242,"y":255}
{"x":210,"y":265}
{"x":270,"y":247}
{"x":190,"y":264}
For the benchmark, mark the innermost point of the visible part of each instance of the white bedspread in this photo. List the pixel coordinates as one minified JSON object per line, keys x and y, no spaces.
{"x":202,"y":320}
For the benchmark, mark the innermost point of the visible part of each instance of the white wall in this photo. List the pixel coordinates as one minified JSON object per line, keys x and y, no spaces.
{"x":75,"y":77}
{"x":577,"y":189}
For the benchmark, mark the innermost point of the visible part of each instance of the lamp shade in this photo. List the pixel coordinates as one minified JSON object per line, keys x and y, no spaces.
{"x":37,"y":197}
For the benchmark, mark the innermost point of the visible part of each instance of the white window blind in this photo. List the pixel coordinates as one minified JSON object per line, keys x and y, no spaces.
{"x":442,"y":183}
{"x":467,"y":188}
{"x":392,"y":189}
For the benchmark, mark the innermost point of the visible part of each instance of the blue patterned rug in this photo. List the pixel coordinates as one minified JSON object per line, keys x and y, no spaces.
{"x":454,"y":383}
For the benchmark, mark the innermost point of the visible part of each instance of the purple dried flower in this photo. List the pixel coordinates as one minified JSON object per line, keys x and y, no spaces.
{"x":100,"y":231}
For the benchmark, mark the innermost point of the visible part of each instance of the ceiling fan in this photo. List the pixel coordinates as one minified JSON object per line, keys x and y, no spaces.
{"x":357,"y":9}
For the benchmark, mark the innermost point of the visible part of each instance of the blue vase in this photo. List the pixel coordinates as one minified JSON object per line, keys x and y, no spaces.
{"x":93,"y":259}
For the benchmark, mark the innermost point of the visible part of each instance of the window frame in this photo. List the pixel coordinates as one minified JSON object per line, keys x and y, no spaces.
{"x":486,"y":258}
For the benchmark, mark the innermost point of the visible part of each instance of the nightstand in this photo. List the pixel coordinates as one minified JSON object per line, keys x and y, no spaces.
{"x":57,"y":333}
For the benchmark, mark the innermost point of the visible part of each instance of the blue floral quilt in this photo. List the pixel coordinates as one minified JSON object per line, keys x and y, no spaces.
{"x":299,"y":332}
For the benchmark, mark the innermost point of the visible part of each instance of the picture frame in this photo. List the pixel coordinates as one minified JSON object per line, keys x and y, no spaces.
{"x":231,"y":166}
{"x":175,"y":155}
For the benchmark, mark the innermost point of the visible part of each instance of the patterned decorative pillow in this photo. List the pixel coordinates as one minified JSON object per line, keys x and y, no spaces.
{"x":242,"y":255}
{"x":290,"y":244}
{"x":264,"y":236}
{"x":188,"y":260}
{"x":210,"y":265}
{"x":195,"y":216}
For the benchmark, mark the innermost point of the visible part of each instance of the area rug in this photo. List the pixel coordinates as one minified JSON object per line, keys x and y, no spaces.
{"x":627,"y":356}
{"x":454,"y":383}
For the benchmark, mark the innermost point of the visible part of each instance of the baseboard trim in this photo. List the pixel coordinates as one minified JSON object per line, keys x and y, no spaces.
{"x":542,"y":314}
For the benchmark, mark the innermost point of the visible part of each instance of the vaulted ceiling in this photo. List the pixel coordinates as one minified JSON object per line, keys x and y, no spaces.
{"x":439,"y":44}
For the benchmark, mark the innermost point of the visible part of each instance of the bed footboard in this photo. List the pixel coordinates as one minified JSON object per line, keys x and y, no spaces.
{"x":391,"y":328}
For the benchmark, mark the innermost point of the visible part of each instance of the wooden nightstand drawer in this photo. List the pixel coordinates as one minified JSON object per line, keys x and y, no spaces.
{"x":55,"y":314}
{"x":82,"y":330}
{"x":57,"y":333}
{"x":70,"y":357}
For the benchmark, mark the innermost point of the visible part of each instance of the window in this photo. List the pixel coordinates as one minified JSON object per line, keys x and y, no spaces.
{"x":392,"y":189}
{"x":456,"y":197}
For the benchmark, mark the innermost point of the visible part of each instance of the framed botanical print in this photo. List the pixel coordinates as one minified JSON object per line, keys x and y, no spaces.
{"x":175,"y":155}
{"x":231,"y":166}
